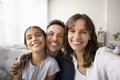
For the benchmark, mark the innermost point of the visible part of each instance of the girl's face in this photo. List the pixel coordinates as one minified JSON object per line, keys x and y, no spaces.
{"x":35,"y":40}
{"x":78,"y":36}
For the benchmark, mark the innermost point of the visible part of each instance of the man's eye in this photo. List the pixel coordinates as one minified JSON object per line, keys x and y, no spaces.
{"x":60,"y":35}
{"x":50,"y":34}
{"x":71,"y":31}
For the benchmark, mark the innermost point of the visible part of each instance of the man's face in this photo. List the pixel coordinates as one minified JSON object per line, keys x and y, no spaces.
{"x":55,"y":38}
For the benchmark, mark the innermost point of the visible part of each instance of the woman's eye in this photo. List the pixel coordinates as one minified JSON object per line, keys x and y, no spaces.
{"x":83,"y":32}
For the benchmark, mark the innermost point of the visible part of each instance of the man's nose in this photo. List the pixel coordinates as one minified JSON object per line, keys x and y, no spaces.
{"x":54,"y":37}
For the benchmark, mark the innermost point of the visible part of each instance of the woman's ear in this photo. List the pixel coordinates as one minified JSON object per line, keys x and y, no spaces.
{"x":89,"y":38}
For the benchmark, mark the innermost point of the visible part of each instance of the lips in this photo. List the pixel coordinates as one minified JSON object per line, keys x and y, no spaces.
{"x":35,"y":44}
{"x":53,"y":43}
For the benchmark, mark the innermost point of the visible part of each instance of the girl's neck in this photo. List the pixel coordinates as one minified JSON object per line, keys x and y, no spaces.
{"x":37,"y":58}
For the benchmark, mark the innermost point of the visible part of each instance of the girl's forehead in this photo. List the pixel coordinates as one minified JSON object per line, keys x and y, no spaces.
{"x":33,"y":31}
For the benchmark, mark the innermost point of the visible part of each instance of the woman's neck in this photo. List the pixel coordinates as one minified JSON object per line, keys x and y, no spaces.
{"x":80,"y":62}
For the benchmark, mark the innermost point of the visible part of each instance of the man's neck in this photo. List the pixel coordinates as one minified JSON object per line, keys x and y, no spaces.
{"x":53,"y":54}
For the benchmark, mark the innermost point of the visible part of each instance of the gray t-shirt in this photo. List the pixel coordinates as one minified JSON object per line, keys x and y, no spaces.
{"x":47,"y":68}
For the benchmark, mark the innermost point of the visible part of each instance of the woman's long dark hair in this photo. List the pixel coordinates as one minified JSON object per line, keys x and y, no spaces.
{"x":26,"y":57}
{"x":92,"y":46}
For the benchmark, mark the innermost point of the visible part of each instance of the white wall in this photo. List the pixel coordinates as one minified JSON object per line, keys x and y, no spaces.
{"x":104,"y":13}
{"x":63,"y":9}
{"x":113,"y":18}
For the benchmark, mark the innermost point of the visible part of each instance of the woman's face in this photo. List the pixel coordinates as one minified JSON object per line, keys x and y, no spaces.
{"x":35,"y":40}
{"x":78,"y":36}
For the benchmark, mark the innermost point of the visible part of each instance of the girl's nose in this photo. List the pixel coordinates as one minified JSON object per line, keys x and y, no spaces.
{"x":34,"y":38}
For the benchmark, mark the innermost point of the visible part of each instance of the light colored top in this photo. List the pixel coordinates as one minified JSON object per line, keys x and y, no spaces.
{"x":78,"y":75}
{"x":47,"y":68}
{"x":106,"y":66}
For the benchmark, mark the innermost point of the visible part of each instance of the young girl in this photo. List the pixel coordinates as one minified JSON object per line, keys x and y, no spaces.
{"x":36,"y":65}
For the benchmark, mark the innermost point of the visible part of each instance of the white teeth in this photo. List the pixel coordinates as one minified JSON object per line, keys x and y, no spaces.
{"x":77,"y":42}
{"x":54,"y":44}
{"x":35,"y":44}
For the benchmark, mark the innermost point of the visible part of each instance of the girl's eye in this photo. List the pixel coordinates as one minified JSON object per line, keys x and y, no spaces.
{"x":38,"y":35}
{"x":29,"y":37}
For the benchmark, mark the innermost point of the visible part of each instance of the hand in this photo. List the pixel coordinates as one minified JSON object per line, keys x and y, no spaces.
{"x":14,"y":68}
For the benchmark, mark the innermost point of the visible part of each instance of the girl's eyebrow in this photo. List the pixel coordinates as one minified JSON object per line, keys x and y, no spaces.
{"x":39,"y":32}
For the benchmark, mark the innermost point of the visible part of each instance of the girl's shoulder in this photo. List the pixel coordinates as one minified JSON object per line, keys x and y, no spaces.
{"x":50,"y":59}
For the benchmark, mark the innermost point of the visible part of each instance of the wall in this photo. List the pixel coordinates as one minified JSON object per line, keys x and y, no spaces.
{"x":63,"y":9}
{"x":104,"y":13}
{"x":113,"y":19}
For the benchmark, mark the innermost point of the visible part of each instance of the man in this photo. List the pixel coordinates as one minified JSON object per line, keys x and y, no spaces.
{"x":55,"y":42}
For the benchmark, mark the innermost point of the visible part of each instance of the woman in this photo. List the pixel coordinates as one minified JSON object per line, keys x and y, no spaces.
{"x":81,"y":48}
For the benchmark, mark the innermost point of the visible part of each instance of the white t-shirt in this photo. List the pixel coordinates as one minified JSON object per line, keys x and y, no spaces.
{"x":47,"y":68}
{"x":106,"y":66}
{"x":78,"y":75}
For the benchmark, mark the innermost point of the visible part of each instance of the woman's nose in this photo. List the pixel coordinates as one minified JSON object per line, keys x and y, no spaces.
{"x":77,"y":35}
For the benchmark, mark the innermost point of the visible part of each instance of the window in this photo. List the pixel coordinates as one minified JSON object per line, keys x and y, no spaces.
{"x":17,"y":15}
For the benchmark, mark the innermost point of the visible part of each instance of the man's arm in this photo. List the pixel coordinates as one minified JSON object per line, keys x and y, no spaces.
{"x":14,"y":68}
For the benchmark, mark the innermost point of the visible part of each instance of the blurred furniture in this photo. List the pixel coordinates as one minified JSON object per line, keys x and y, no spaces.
{"x":101,"y":38}
{"x":7,"y":57}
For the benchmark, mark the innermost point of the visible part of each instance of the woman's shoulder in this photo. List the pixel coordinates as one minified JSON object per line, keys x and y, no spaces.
{"x":104,"y":51}
{"x":105,"y":56}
